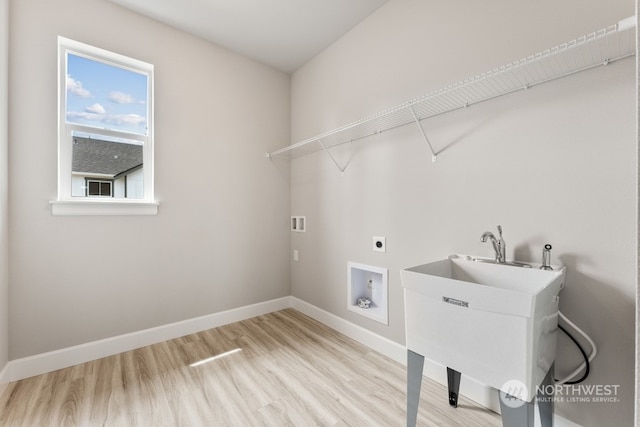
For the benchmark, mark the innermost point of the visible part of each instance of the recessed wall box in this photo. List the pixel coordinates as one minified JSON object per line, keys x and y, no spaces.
{"x":368,"y":284}
{"x":298,"y":223}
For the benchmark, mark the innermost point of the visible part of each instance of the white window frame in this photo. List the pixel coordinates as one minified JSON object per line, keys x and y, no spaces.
{"x":69,"y":205}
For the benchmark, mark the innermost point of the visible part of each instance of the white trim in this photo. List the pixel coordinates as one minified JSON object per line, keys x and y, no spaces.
{"x":470,"y":388}
{"x":364,"y":336}
{"x":103,"y":207}
{"x":58,"y":359}
{"x":479,"y":393}
{"x":47,"y":362}
{"x":65,"y":203}
{"x":380,"y":311}
{"x":103,"y":55}
{"x":93,"y":174}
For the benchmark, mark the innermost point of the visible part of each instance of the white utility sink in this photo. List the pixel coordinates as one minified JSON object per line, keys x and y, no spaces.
{"x":492,"y":322}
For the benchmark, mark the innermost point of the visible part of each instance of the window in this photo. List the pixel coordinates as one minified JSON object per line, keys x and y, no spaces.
{"x":99,"y":188}
{"x":105,"y":137}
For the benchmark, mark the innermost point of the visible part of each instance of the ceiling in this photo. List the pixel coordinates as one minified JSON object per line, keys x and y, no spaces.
{"x":284,"y":34}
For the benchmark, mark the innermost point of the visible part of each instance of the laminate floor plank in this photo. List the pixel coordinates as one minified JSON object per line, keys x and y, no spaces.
{"x":280,"y":369}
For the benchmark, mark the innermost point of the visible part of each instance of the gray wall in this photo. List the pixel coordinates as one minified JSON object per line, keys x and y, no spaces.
{"x":220,"y":239}
{"x":637,"y":407}
{"x":4,"y":219}
{"x":556,"y":163}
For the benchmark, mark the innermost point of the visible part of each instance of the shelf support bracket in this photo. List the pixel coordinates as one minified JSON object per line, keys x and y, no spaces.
{"x":333,"y":159}
{"x":434,"y":157}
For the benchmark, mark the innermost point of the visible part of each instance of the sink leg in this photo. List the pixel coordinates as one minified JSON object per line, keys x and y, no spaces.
{"x":516,"y":412}
{"x":545,"y":399}
{"x":415,"y":364}
{"x":453,"y":381}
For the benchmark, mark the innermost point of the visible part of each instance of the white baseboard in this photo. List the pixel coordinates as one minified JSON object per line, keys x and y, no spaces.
{"x":478,"y":392}
{"x":47,"y":362}
{"x":364,"y":336}
{"x":470,"y":388}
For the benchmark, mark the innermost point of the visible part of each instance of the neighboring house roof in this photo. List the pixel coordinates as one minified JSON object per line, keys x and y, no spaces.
{"x":96,"y":156}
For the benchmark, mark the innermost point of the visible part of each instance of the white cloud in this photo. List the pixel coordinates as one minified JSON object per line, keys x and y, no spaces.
{"x":93,"y":114}
{"x":129,"y":119}
{"x":85,"y":116}
{"x":96,"y":109}
{"x":121,"y":98}
{"x":75,"y":87}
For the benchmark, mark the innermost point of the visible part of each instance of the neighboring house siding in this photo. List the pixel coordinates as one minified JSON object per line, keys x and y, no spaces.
{"x":134,"y":183}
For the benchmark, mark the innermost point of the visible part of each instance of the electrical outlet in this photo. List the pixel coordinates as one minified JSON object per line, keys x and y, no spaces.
{"x":379,"y":244}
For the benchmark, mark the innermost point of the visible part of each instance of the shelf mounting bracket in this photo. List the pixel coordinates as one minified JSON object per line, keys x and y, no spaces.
{"x":434,"y":157}
{"x":333,"y":159}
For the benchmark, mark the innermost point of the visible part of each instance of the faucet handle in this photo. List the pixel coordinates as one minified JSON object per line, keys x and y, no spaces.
{"x":500,"y":230}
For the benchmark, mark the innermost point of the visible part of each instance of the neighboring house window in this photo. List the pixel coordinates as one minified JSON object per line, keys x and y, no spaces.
{"x":99,"y":188}
{"x":105,"y":140}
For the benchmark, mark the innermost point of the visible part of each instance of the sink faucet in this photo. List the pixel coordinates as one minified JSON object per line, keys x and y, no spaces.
{"x":498,"y":244}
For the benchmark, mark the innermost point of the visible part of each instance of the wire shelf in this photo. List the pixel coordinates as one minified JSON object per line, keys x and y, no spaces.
{"x":598,"y":48}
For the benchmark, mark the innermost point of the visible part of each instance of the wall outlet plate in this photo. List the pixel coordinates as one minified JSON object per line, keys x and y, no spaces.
{"x":299,"y":223}
{"x":379,"y":244}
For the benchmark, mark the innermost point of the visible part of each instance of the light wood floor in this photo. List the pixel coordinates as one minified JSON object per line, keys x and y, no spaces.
{"x":290,"y":371}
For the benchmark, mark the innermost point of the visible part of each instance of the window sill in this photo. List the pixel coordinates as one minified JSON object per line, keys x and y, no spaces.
{"x":103,"y":207}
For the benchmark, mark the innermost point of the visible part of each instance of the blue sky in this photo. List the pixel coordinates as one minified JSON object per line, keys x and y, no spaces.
{"x":105,"y":96}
